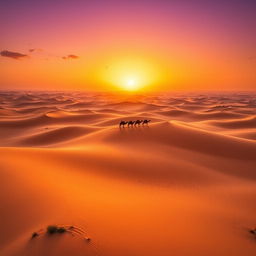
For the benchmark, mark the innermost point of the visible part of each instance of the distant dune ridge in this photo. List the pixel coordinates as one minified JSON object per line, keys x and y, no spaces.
{"x":185,"y":184}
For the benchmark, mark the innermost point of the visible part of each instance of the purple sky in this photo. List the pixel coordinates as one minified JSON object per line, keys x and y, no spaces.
{"x":178,"y":29}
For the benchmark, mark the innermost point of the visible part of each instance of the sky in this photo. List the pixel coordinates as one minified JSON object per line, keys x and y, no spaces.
{"x":108,"y":45}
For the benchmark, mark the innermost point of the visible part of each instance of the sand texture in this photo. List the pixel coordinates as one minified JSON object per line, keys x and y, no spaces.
{"x":183,"y":185}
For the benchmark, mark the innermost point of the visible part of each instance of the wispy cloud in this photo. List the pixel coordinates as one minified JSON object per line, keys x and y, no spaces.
{"x":32,"y":50}
{"x":70,"y":56}
{"x":13,"y":55}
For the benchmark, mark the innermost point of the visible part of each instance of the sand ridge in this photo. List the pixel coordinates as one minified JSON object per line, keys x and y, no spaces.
{"x":182,"y":185}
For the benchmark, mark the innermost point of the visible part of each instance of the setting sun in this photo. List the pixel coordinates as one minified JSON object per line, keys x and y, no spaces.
{"x":135,"y":73}
{"x":131,"y":85}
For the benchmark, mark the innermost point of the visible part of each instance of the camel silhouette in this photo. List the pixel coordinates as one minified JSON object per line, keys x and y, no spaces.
{"x":122,"y":123}
{"x":131,"y":123}
{"x":138,"y":122}
{"x":146,"y":121}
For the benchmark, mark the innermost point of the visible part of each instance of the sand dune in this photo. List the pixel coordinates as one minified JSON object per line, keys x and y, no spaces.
{"x":170,"y":134}
{"x":246,"y":134}
{"x":55,"y":136}
{"x":52,"y":118}
{"x":199,"y":116}
{"x":182,"y":185}
{"x":237,"y":124}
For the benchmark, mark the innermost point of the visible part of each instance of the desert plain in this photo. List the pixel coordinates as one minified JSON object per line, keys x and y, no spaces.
{"x":185,"y":184}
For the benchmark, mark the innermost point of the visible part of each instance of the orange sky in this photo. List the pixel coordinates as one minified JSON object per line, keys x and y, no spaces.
{"x":149,"y":45}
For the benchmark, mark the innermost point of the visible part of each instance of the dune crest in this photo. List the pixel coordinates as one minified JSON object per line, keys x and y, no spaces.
{"x":184,"y":184}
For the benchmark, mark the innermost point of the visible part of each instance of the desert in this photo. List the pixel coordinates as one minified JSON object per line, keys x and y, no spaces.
{"x":183,"y":184}
{"x":128,"y":128}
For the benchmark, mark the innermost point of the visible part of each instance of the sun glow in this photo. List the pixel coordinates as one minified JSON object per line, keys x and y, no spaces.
{"x":131,"y":85}
{"x":128,"y":74}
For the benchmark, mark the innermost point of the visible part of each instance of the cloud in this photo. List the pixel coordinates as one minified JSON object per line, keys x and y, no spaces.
{"x":35,"y":50}
{"x":70,"y":56}
{"x":13,"y":55}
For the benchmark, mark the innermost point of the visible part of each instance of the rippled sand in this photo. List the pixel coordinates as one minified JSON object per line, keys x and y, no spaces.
{"x":183,"y":185}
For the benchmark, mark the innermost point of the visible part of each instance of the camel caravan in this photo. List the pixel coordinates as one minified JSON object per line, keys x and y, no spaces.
{"x":133,"y":123}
